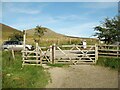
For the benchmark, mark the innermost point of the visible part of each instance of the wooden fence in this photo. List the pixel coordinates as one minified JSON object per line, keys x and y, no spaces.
{"x":67,"y":53}
{"x":35,"y":57}
{"x":109,"y":51}
{"x":74,"y":54}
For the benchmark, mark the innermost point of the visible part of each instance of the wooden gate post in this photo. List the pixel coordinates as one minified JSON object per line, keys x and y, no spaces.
{"x":37,"y":53}
{"x":23,"y":53}
{"x":13,"y":54}
{"x":53,"y":53}
{"x":96,"y":53}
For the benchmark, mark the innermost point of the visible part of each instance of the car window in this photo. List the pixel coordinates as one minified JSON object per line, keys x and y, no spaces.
{"x":6,"y":43}
{"x":12,"y":43}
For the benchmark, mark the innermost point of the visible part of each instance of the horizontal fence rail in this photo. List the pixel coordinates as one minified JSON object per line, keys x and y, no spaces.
{"x":38,"y":56}
{"x":69,"y":54}
{"x":109,"y":51}
{"x":74,"y":53}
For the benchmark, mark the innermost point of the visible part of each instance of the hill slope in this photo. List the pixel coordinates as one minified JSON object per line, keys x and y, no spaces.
{"x":48,"y":34}
{"x":6,"y":31}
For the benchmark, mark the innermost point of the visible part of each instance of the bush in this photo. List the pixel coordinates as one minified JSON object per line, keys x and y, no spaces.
{"x":109,"y":62}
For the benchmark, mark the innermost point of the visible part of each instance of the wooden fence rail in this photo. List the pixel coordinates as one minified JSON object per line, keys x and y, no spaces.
{"x":35,"y":57}
{"x":69,"y":53}
{"x":74,"y":53}
{"x":109,"y":51}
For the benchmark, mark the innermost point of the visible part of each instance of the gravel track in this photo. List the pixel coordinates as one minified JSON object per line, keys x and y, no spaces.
{"x":83,"y":76}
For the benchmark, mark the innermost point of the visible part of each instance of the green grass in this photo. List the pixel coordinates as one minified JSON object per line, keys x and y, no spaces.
{"x":65,"y":41}
{"x":16,"y":77}
{"x":58,"y":65}
{"x":109,"y":62}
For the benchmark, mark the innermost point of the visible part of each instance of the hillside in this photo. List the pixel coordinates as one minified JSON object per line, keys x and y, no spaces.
{"x":7,"y":31}
{"x":49,"y":37}
{"x":48,"y":34}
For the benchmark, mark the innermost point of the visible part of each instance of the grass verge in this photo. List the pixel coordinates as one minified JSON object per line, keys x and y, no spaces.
{"x":15,"y":77}
{"x":109,"y":62}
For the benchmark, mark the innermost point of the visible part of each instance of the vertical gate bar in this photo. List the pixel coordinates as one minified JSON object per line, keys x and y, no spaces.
{"x":41,"y":60}
{"x":96,"y":53}
{"x":53,"y":53}
{"x":50,"y":53}
{"x":37,"y":53}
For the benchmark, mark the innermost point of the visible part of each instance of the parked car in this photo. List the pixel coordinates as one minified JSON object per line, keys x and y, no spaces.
{"x":15,"y":45}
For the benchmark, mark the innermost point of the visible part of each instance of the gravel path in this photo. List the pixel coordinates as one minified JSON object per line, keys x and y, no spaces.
{"x":83,"y":76}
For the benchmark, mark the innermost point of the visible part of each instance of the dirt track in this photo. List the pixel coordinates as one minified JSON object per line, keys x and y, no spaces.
{"x":83,"y":76}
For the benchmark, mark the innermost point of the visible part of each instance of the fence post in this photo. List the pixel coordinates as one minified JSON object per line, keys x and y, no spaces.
{"x":13,"y":54}
{"x":37,"y":53}
{"x":24,"y":39}
{"x":53,"y":53}
{"x":96,"y":53}
{"x":50,"y":53}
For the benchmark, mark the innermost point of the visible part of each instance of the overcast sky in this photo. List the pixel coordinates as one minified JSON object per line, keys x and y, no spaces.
{"x":74,"y":19}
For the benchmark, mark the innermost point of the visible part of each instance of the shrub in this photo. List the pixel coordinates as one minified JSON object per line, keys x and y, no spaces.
{"x":109,"y":62}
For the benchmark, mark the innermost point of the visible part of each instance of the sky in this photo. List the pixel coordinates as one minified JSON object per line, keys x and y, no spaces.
{"x":69,"y":18}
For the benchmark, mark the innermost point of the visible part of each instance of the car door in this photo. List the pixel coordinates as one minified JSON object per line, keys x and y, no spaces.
{"x":16,"y":45}
{"x":10,"y":45}
{"x":19,"y":46}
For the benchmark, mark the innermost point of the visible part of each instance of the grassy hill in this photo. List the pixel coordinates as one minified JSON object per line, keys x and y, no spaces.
{"x":48,"y":34}
{"x":7,"y":31}
{"x":49,"y":37}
